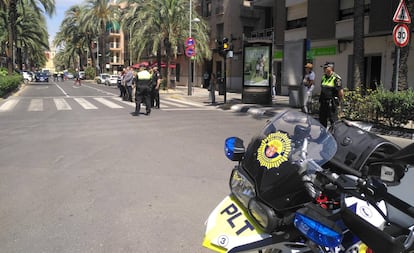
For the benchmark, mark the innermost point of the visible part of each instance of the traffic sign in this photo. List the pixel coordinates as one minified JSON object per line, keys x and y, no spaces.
{"x":402,"y":15}
{"x":190,"y":42}
{"x":401,"y":35}
{"x":190,"y":51}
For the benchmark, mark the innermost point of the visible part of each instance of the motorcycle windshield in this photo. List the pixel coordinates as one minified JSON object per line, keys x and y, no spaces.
{"x":273,"y":157}
{"x":297,"y":126}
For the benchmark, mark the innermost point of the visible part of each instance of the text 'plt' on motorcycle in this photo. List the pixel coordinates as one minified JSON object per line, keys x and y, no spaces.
{"x":299,"y":187}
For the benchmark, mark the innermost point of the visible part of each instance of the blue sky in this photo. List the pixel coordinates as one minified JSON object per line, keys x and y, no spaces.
{"x":54,"y":22}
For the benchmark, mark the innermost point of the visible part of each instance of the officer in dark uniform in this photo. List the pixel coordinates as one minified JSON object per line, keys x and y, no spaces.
{"x":143,"y":90}
{"x":155,"y":91}
{"x":331,"y":94}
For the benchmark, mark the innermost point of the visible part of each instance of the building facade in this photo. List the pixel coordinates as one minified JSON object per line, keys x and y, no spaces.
{"x":325,"y":26}
{"x":328,"y":28}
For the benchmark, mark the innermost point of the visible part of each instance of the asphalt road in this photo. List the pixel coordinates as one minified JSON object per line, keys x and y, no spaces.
{"x":78,"y":173}
{"x":100,"y":180}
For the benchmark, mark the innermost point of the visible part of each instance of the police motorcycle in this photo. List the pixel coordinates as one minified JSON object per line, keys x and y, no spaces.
{"x":393,"y":231}
{"x":280,"y":200}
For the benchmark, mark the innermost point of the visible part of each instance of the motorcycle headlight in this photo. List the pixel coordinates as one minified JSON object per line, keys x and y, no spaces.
{"x":241,"y":187}
{"x":263,"y":215}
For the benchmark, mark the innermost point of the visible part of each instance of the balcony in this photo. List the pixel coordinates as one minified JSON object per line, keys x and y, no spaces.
{"x":248,"y":12}
{"x":265,"y":35}
{"x":115,"y":46}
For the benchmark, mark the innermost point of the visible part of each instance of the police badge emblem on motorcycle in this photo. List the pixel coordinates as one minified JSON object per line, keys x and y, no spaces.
{"x":274,"y":150}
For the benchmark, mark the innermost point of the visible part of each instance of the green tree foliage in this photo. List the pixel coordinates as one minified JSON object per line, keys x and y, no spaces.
{"x":162,"y":26}
{"x":10,"y":13}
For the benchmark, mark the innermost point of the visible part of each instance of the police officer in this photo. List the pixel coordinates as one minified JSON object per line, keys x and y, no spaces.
{"x":331,"y":94}
{"x":143,"y":90}
{"x":155,"y":91}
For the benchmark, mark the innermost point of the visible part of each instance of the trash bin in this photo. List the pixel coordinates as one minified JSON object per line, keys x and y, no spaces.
{"x":295,"y":96}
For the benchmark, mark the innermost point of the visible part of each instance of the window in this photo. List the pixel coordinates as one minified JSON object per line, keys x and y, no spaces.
{"x":346,"y":9}
{"x":219,"y":31}
{"x":297,"y":15}
{"x":207,"y":8}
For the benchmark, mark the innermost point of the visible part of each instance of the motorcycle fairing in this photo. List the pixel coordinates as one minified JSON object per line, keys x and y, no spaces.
{"x":273,"y":156}
{"x":366,"y":211}
{"x":229,"y":227}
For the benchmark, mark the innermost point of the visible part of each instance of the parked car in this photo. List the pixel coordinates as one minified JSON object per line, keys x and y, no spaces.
{"x":41,"y":77}
{"x":27,"y":76}
{"x":82,"y":75}
{"x":70,"y":75}
{"x":112,"y":80}
{"x":101,"y":78}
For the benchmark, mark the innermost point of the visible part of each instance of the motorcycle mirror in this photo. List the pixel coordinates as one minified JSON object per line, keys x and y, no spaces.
{"x":405,"y":155}
{"x":234,"y":148}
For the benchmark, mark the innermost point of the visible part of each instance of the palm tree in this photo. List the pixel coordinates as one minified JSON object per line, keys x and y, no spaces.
{"x":100,"y":14}
{"x":70,"y":36}
{"x":164,"y":24}
{"x":39,"y":7}
{"x":30,"y":40}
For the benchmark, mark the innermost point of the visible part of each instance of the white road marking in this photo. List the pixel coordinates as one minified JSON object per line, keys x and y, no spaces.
{"x":61,"y":89}
{"x":9,"y":105}
{"x":108,"y":103}
{"x":61,"y":104}
{"x":85,"y":104}
{"x":124,"y":102}
{"x":186,"y":102}
{"x":36,"y":105}
{"x":171,"y":103}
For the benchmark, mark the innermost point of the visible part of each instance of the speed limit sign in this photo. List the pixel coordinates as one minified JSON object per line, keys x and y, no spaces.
{"x":401,"y":35}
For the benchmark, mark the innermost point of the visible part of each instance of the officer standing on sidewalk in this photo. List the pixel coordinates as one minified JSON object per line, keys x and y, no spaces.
{"x":143,"y":90}
{"x":331,"y":94}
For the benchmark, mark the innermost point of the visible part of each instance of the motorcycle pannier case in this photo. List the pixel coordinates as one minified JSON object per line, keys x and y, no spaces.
{"x":358,"y":147}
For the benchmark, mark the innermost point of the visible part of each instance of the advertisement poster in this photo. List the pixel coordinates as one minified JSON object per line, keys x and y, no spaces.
{"x":256,"y":66}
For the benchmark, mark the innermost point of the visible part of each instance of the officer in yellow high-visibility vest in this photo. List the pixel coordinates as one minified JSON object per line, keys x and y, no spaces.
{"x":143,"y":90}
{"x":331,"y":94}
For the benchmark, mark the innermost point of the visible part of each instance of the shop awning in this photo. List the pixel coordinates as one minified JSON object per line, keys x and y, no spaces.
{"x":163,"y":65}
{"x":137,"y":65}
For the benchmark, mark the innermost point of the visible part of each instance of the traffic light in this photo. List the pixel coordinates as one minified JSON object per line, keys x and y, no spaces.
{"x":226,"y":46}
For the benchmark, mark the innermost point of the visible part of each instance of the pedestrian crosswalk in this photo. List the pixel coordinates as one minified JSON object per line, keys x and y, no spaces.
{"x":88,"y":103}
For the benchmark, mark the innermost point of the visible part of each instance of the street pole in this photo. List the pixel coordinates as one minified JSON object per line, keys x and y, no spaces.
{"x":397,"y":69}
{"x":190,"y":91}
{"x":97,"y":57}
{"x":225,"y":77}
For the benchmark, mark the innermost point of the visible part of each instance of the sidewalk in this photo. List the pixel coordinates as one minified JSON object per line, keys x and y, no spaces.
{"x":234,"y":103}
{"x":233,"y":99}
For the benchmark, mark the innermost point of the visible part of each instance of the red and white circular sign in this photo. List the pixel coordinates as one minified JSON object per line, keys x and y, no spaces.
{"x":401,"y":35}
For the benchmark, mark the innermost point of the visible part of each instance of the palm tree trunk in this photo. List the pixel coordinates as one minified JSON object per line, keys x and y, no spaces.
{"x":359,"y":73}
{"x":404,"y":53}
{"x":167,"y":46}
{"x":11,"y":35}
{"x":91,"y":54}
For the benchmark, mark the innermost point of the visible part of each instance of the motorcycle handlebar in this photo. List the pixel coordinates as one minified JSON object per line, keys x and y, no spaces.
{"x":345,"y":168}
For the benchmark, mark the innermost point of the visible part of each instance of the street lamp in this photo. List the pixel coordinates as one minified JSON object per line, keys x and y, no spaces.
{"x":190,"y":90}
